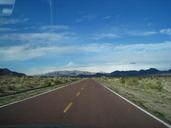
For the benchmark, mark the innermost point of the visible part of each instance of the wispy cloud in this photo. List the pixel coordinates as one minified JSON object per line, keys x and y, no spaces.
{"x":7,"y":29}
{"x":70,"y":64}
{"x":34,"y":37}
{"x":26,"y":52}
{"x":106,"y":52}
{"x":7,"y":21}
{"x":7,"y":11}
{"x":107,"y":17}
{"x":52,"y":28}
{"x":131,"y":33}
{"x":144,"y":33}
{"x":105,"y":36}
{"x":166,"y":31}
{"x":88,"y":18}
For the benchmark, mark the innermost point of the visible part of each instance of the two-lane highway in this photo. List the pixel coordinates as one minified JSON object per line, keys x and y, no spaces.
{"x":84,"y":104}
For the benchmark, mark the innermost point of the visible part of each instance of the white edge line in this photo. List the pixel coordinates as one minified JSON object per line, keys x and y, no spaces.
{"x":65,"y":85}
{"x":161,"y":121}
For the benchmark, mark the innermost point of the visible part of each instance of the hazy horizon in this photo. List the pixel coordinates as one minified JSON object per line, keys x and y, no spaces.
{"x":93,"y":72}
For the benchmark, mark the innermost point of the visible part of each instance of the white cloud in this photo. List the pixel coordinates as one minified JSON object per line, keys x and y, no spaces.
{"x":166,"y":31}
{"x":133,"y":33}
{"x":26,"y":52}
{"x":7,"y":11}
{"x":70,"y":64}
{"x":34,"y":37}
{"x":54,"y":27}
{"x":7,"y":29}
{"x":105,"y":36}
{"x":145,"y":46}
{"x":145,"y":33}
{"x":107,"y":17}
{"x":30,"y":51}
{"x":100,"y":52}
{"x":7,"y":21}
{"x":88,"y":18}
{"x":130,"y":33}
{"x":104,"y":57}
{"x":139,"y":53}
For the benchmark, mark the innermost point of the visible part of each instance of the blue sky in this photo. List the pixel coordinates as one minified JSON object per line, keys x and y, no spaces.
{"x":39,"y":36}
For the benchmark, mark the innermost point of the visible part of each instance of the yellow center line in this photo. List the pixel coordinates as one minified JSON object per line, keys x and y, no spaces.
{"x":68,"y":107}
{"x":78,"y":93}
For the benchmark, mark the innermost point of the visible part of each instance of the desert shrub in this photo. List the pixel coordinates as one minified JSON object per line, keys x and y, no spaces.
{"x":48,"y":83}
{"x":4,"y":82}
{"x":3,"y":89}
{"x":12,"y":88}
{"x":140,"y":78}
{"x":159,"y":83}
{"x":58,"y":82}
{"x":159,"y":114}
{"x":31,"y":86}
{"x":154,"y":86}
{"x":132,"y":81}
{"x":122,"y":80}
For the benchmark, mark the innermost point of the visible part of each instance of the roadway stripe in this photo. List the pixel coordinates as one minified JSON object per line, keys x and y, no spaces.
{"x":78,"y":93}
{"x":68,"y":107}
{"x":154,"y":117}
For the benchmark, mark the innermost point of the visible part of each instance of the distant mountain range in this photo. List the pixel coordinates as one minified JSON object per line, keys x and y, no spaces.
{"x":6,"y":71}
{"x":151,"y":71}
{"x":70,"y":73}
{"x":76,"y":73}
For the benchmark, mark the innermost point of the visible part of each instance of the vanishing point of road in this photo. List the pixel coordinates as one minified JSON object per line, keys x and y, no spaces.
{"x":85,"y":104}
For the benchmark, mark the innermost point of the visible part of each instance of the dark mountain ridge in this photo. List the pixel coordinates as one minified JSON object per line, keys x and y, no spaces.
{"x":5,"y":71}
{"x":151,"y":71}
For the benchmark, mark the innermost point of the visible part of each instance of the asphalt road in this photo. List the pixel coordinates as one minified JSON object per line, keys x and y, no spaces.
{"x":86,"y":104}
